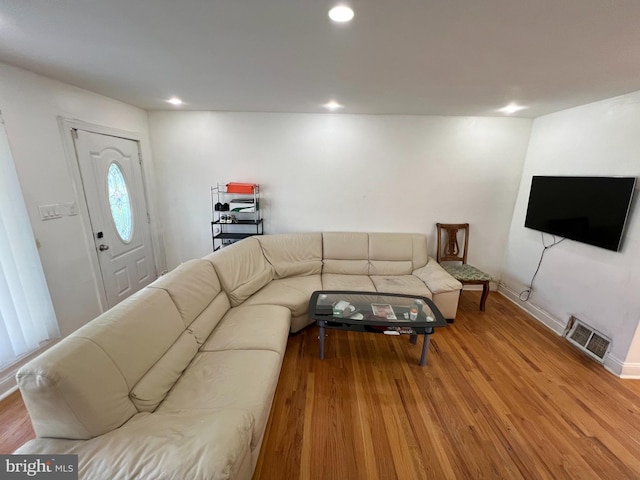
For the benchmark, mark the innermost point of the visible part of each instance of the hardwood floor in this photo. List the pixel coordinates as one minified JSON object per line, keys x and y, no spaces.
{"x":15,"y":426}
{"x":500,"y":397}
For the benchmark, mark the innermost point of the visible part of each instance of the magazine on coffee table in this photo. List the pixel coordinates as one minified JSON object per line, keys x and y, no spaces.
{"x":383,"y":310}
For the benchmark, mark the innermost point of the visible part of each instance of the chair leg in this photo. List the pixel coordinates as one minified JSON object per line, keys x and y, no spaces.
{"x":485,"y":294}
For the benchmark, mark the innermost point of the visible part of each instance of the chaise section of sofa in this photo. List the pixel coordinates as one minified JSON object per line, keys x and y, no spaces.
{"x":171,"y":383}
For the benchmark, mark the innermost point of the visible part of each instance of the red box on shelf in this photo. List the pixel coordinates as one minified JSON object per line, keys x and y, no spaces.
{"x":235,"y":187}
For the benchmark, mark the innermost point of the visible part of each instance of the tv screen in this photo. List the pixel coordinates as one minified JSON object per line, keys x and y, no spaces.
{"x":590,"y":210}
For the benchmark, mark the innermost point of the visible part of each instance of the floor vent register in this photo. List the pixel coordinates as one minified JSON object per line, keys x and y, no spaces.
{"x":587,"y":339}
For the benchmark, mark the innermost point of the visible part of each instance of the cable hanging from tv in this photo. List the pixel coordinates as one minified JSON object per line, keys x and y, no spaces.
{"x":525,"y":294}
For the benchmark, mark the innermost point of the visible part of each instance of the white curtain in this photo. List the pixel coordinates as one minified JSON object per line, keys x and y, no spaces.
{"x":26,"y":314}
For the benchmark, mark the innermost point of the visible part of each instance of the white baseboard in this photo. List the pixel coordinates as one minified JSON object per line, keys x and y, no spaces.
{"x":621,"y":369}
{"x":614,"y":365}
{"x":6,"y":393}
{"x":493,"y":286}
{"x":611,"y":363}
{"x":8,"y":383}
{"x":536,"y":312}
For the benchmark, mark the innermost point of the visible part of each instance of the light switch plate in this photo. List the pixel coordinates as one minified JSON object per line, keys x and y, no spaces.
{"x":50,"y":212}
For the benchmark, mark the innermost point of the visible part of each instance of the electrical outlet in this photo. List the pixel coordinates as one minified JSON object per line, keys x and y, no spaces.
{"x":71,"y":208}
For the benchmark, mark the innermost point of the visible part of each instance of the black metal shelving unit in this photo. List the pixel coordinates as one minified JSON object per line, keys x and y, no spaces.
{"x":245,"y":224}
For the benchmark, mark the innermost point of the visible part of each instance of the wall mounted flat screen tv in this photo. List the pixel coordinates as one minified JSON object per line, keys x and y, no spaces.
{"x":590,"y":210}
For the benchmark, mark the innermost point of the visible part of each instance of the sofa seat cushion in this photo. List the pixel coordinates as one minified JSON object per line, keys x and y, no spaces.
{"x":292,"y":292}
{"x":406,"y":284}
{"x":244,"y":379}
{"x":437,"y":278}
{"x":298,"y":323}
{"x":251,"y":327}
{"x":359,"y":283}
{"x":175,"y":445}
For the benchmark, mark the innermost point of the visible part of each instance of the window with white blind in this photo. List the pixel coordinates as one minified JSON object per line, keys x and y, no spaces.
{"x":27,"y":318}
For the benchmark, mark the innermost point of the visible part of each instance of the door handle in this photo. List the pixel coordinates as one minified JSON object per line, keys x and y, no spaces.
{"x":103,"y":247}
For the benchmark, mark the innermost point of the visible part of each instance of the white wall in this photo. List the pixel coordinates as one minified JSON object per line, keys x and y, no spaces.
{"x":30,"y":106}
{"x":342,"y":172}
{"x":596,"y":285}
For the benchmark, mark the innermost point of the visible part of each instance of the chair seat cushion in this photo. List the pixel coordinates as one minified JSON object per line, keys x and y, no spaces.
{"x":467,"y":273}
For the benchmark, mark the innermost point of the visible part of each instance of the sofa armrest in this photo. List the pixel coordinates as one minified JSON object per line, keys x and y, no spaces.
{"x":204,"y":444}
{"x":436,"y":278}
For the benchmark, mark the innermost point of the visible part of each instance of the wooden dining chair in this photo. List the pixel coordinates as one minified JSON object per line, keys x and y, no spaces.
{"x":449,"y":251}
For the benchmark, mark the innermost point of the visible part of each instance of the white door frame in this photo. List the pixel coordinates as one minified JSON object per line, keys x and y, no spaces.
{"x":66,"y":126}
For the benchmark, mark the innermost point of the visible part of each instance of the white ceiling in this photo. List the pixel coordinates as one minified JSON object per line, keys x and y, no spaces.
{"x":448,"y":57}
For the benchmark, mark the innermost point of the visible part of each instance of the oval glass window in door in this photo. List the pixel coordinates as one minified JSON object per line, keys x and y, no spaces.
{"x":119,"y":202}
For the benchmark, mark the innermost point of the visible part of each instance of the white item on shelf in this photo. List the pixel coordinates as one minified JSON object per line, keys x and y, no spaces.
{"x":242,"y":205}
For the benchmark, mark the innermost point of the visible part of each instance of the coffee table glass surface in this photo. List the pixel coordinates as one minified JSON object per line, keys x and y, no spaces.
{"x":376,"y":312}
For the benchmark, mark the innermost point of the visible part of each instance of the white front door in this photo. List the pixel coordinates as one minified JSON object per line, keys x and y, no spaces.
{"x":111,"y":170}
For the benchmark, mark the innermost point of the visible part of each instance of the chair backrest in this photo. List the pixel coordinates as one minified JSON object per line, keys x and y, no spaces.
{"x":449,"y":242}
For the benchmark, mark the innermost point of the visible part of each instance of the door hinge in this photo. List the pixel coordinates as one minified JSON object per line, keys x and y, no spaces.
{"x":74,"y":133}
{"x":148,"y":218}
{"x":140,"y":158}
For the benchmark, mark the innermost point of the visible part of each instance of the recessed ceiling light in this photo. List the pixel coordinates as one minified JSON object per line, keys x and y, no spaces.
{"x":511,"y":108}
{"x":175,"y":101}
{"x":341,"y":13}
{"x":332,"y":105}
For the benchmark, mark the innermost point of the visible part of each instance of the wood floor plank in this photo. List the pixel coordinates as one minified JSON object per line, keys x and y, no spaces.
{"x":15,"y":426}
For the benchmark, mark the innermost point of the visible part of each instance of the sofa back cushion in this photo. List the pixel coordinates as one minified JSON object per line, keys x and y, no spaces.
{"x":195,"y":289}
{"x":420,"y":253}
{"x":396,"y":253}
{"x":345,"y":253}
{"x":75,"y":391}
{"x":242,"y":269}
{"x":156,"y":383}
{"x":80,"y":388}
{"x":293,"y":254}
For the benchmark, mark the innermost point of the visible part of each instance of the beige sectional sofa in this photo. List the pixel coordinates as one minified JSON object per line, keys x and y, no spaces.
{"x":178,"y":380}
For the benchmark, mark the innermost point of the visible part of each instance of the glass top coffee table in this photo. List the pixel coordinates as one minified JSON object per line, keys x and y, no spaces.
{"x":375,"y":312}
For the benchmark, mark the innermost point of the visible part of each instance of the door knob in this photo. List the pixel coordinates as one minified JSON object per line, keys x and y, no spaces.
{"x":103,"y":247}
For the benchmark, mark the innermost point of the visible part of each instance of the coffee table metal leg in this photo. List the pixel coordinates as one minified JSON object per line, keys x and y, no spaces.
{"x":321,"y":340}
{"x":425,"y":348}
